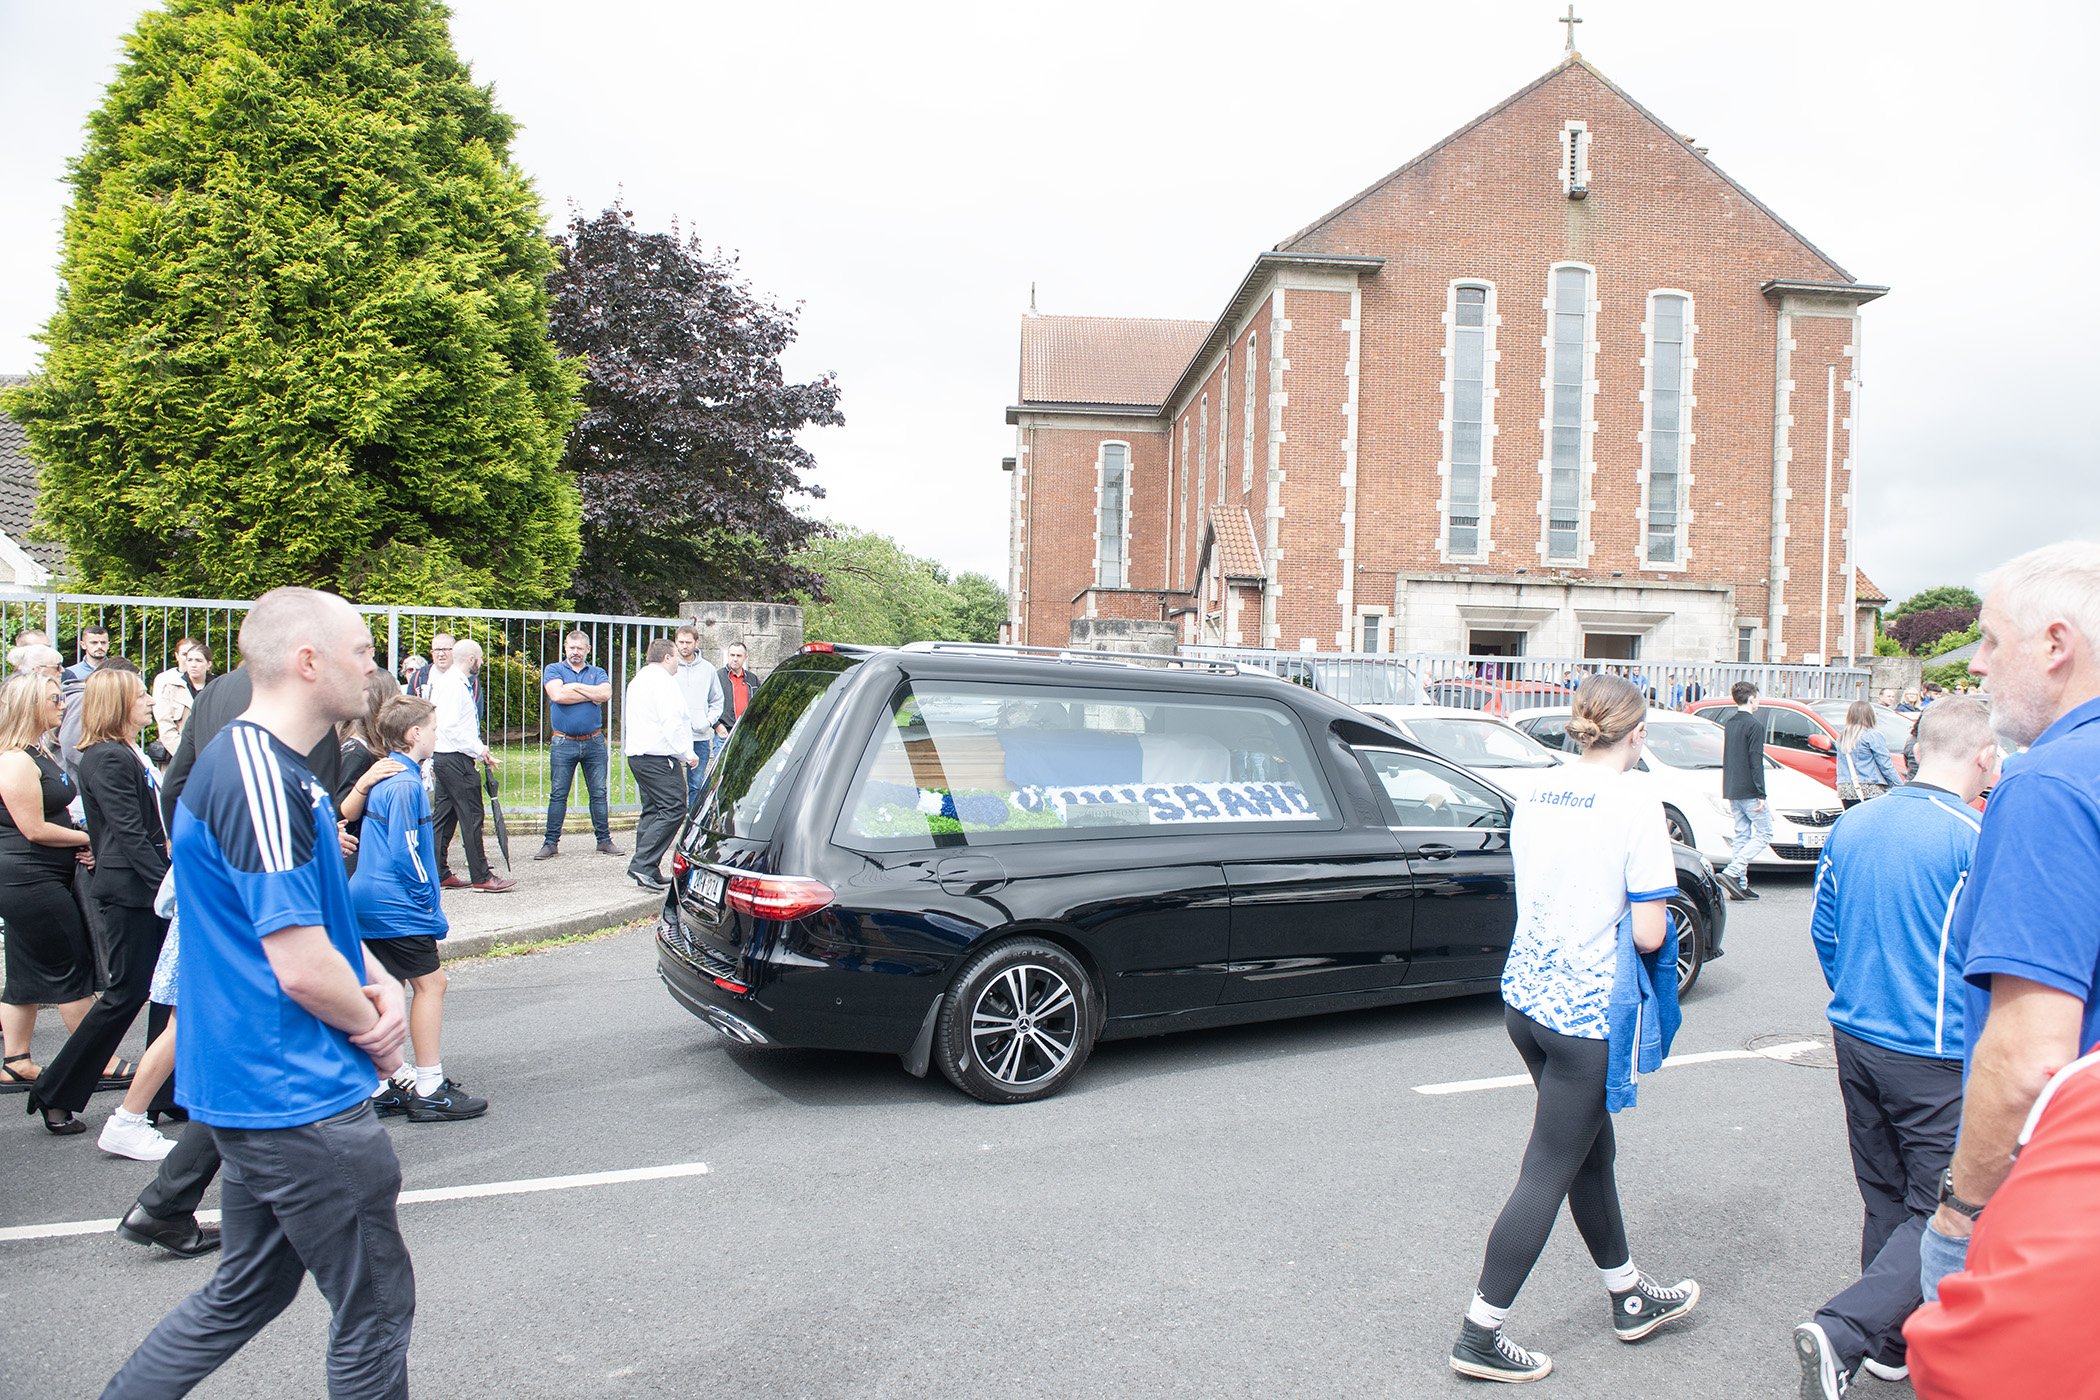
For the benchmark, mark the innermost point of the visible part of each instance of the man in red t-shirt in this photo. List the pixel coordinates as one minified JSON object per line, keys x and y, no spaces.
{"x":2002,"y":1324}
{"x":738,"y":686}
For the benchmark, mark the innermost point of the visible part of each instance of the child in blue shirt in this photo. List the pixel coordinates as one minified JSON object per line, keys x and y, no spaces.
{"x":399,"y":915}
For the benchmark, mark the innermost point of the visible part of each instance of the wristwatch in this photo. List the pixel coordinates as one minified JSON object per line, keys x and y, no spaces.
{"x":1952,"y":1201}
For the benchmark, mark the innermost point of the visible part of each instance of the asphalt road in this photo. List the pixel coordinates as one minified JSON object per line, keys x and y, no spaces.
{"x":1262,"y":1211}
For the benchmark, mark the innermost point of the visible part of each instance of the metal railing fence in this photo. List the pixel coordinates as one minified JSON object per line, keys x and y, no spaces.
{"x":517,"y":647}
{"x":1509,"y":684}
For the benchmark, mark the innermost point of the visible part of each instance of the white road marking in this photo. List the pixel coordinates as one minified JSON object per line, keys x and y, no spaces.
{"x":1701,"y":1057}
{"x":60,"y":1229}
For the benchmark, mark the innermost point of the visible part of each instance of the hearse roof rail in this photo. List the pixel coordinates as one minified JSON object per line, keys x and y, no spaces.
{"x":1141,"y":660}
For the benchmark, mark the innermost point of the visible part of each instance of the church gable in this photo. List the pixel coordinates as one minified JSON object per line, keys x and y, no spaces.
{"x":1516,"y":161}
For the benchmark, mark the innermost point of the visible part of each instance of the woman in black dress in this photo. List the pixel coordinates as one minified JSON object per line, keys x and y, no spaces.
{"x":49,"y":959}
{"x":121,"y":790}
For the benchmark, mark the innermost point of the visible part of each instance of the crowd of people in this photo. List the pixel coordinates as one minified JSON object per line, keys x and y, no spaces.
{"x":279,"y":875}
{"x":1962,"y":953}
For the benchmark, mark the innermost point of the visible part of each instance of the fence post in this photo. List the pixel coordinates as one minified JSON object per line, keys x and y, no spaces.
{"x":51,"y":617}
{"x":393,"y":640}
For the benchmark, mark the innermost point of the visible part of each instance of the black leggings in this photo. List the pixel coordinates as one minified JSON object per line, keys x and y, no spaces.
{"x":1568,"y":1159}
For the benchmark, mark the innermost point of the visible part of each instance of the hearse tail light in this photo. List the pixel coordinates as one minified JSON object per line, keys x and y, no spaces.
{"x":817,"y":648}
{"x":679,"y":864}
{"x":776,"y":896}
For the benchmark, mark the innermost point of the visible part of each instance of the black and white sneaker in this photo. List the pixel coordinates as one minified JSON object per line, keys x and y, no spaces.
{"x":1821,"y":1376}
{"x":447,"y":1104}
{"x":1639,"y":1310}
{"x":1485,"y":1354}
{"x":392,"y":1101}
{"x":1885,"y":1370}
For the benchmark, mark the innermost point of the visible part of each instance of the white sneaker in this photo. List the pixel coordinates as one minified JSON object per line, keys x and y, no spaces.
{"x":137,"y":1139}
{"x":1885,"y":1371}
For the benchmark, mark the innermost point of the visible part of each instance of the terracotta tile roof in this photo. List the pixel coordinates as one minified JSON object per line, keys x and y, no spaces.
{"x":18,"y":472}
{"x":1121,"y":360}
{"x":1239,"y":553}
{"x":1863,"y":588}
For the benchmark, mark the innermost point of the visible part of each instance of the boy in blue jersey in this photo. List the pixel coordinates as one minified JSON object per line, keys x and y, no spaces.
{"x":283,"y":1026}
{"x":1886,"y":889}
{"x":400,"y":915}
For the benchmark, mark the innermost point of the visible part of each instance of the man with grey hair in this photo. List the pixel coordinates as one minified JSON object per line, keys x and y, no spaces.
{"x":457,"y":805}
{"x":1885,"y":886}
{"x":284,"y":1027}
{"x":2026,"y":920}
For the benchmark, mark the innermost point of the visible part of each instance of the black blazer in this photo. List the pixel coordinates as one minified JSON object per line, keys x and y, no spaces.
{"x":124,"y":830}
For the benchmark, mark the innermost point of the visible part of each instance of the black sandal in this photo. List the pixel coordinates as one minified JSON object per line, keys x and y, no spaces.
{"x":12,"y":1083}
{"x":118,"y":1078}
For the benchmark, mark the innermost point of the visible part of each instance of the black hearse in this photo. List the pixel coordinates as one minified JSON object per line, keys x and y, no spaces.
{"x":987,"y":859}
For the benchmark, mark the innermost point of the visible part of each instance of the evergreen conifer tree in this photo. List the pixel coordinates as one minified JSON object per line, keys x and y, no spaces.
{"x":302,"y":333}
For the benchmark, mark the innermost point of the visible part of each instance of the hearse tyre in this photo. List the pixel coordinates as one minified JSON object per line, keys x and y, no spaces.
{"x":1019,"y":1022}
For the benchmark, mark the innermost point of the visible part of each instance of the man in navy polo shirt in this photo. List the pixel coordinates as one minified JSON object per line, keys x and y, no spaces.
{"x":2027,"y":918}
{"x":284,"y":1027}
{"x":577,"y":693}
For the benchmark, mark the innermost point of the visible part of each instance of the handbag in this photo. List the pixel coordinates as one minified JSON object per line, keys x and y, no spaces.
{"x":1854,"y":792}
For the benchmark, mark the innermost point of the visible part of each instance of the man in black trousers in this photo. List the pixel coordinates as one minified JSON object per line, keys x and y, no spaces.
{"x":456,"y":769}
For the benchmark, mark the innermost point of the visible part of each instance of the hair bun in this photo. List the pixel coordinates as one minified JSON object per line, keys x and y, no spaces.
{"x":1584,"y":731}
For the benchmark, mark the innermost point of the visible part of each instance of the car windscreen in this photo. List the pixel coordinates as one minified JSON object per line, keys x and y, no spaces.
{"x":750,"y":780}
{"x":1473,"y":743}
{"x":1686,"y":744}
{"x":979,"y":763}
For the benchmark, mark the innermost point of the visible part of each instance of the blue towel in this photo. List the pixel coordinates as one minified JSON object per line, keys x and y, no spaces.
{"x":1644,"y":1013}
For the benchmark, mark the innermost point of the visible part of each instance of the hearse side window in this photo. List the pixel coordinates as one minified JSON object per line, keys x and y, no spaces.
{"x":1420,"y":793}
{"x":980,"y":764}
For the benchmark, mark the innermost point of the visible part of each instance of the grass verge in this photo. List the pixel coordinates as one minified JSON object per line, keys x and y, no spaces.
{"x":567,"y":940}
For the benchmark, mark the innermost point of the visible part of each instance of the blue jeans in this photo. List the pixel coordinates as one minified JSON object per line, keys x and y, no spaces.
{"x":566,"y":757}
{"x":1753,"y":832}
{"x":1938,"y":1257}
{"x":706,"y":748}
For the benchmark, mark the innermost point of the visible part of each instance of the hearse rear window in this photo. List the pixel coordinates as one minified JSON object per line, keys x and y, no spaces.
{"x":978,"y":764}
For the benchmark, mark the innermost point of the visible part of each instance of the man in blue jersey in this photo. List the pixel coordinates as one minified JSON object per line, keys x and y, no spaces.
{"x":284,"y":1027}
{"x":1885,"y":893}
{"x":2027,"y":919}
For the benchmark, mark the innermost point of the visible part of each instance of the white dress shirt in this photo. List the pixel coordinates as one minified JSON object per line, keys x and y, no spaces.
{"x":657,"y":721}
{"x":458,"y":726}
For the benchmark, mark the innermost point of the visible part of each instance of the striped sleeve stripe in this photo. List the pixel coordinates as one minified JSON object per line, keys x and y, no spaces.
{"x":262,"y":783}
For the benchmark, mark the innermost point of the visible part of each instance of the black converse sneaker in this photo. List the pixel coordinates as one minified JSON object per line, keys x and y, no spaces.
{"x":1484,"y":1353}
{"x":1821,"y":1376}
{"x":1639,"y":1310}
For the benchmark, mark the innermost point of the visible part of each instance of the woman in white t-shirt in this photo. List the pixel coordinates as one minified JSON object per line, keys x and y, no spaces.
{"x":1589,"y":845}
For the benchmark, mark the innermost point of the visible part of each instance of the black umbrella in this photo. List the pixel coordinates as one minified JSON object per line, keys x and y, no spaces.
{"x":488,"y":784}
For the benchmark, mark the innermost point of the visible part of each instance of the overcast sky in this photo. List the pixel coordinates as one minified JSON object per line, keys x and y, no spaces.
{"x":906,"y":171}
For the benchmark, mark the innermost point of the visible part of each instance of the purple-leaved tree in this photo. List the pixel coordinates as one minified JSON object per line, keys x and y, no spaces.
{"x":686,"y":452}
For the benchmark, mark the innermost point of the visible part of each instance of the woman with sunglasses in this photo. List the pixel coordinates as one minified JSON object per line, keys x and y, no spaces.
{"x":49,"y":959}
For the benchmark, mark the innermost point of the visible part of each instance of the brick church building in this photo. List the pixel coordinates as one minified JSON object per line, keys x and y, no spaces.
{"x":1558,"y":386}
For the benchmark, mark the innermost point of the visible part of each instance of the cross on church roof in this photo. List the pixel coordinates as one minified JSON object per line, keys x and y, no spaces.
{"x":1571,"y":22}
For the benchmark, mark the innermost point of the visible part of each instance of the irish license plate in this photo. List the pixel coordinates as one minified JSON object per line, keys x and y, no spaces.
{"x":1812,"y":839}
{"x":710,"y":885}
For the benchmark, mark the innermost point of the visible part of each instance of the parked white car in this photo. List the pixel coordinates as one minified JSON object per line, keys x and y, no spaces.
{"x":1684,"y":754}
{"x":1494,"y":748}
